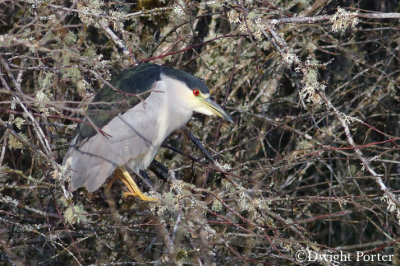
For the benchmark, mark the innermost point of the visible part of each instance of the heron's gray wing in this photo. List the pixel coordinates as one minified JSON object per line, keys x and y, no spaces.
{"x":85,"y":157}
{"x":131,"y":136}
{"x":109,"y":102}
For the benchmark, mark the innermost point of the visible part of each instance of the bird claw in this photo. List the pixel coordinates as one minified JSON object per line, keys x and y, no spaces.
{"x":134,"y":191}
{"x":141,"y":196}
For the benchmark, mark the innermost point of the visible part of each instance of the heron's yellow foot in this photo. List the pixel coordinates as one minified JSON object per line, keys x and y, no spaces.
{"x":134,"y":190}
{"x":142,"y":196}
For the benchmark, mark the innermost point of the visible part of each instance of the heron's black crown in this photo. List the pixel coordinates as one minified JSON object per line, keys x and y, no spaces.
{"x":141,"y":78}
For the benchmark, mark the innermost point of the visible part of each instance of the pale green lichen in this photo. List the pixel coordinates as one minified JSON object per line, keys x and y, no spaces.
{"x":392,"y":206}
{"x":233,"y":16}
{"x":290,"y":57}
{"x":252,"y":23}
{"x":19,"y":122}
{"x":227,"y":186}
{"x":75,"y":214}
{"x":312,"y":87}
{"x":343,"y":19}
{"x":43,"y":96}
{"x":14,"y":143}
{"x":74,"y":73}
{"x":90,"y":52}
{"x":70,"y":38}
{"x":212,"y":4}
{"x":217,"y":206}
{"x":304,"y":145}
{"x":208,"y":232}
{"x":90,"y":11}
{"x":46,"y":81}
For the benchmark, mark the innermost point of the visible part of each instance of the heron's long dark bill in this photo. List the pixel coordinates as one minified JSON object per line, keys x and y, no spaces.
{"x":217,"y":110}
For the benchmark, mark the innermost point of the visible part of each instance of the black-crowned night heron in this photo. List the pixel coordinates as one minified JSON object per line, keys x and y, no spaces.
{"x":123,"y":131}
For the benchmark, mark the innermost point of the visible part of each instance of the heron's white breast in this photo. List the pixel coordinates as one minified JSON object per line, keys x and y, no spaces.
{"x":169,"y":115}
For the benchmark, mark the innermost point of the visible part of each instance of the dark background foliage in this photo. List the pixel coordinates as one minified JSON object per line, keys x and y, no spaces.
{"x":310,"y":163}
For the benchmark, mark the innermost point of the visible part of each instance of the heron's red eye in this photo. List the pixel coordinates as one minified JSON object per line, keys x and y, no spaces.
{"x":196,"y":93}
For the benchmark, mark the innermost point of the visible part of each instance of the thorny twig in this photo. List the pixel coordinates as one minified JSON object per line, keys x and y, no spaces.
{"x":285,"y":51}
{"x":36,"y":126}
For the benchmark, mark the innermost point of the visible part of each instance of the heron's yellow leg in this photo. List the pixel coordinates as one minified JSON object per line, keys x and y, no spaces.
{"x":117,"y":175}
{"x":134,"y":190}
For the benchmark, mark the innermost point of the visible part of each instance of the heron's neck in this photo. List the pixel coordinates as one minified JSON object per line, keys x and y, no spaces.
{"x":171,"y":115}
